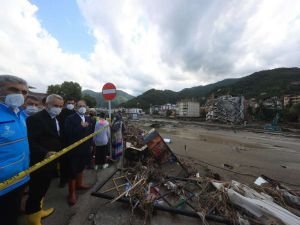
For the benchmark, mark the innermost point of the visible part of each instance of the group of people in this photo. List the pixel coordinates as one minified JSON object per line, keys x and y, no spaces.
{"x":29,"y":134}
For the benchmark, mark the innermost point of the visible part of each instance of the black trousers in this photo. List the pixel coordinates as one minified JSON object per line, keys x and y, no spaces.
{"x":38,"y":186}
{"x":10,"y":206}
{"x":63,"y":169}
{"x":100,"y":154}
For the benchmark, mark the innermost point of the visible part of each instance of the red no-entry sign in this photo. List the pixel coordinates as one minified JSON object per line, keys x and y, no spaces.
{"x":109,"y":91}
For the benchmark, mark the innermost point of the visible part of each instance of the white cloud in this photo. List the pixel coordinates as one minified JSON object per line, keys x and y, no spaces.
{"x":29,"y":51}
{"x":169,"y":44}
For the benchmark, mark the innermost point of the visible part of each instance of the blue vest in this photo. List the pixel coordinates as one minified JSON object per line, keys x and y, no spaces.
{"x":14,"y":147}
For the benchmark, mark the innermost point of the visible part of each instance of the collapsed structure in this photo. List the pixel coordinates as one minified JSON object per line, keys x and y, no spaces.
{"x":153,"y":178}
{"x":226,"y":109}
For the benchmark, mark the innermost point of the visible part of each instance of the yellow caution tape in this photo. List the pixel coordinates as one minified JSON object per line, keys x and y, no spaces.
{"x":46,"y":161}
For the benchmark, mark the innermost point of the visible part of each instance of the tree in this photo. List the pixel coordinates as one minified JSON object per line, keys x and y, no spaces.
{"x":90,"y":101}
{"x":54,"y":89}
{"x":71,"y":89}
{"x":67,"y":89}
{"x":292,"y":114}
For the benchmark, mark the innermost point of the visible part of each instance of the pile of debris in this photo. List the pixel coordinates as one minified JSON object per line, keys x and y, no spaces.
{"x":146,"y":189}
{"x":135,"y":136}
{"x":226,"y":109}
{"x":160,"y":181}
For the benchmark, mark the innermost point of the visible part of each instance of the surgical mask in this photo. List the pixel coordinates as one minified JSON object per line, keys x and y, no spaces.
{"x":82,"y":110}
{"x":70,"y":106}
{"x":54,"y":111}
{"x":14,"y":100}
{"x":30,"y":110}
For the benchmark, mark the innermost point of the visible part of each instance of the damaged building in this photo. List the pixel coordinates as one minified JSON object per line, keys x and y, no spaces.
{"x":226,"y":109}
{"x":188,"y":108}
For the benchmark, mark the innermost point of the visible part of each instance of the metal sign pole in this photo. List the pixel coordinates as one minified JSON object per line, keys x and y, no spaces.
{"x":109,"y":92}
{"x":110,"y":122}
{"x":109,"y":110}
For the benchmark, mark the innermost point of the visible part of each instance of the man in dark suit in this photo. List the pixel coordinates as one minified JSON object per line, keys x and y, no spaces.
{"x":44,"y":135}
{"x":77,"y":126}
{"x":67,"y":111}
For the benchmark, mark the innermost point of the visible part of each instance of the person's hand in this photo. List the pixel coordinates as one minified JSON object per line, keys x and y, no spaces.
{"x":84,"y":124}
{"x":49,"y":154}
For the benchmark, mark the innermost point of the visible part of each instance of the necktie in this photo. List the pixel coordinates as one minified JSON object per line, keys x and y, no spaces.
{"x":56,"y":125}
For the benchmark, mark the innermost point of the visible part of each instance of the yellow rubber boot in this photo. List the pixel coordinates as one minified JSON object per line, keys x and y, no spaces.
{"x":45,"y":212}
{"x":34,"y":218}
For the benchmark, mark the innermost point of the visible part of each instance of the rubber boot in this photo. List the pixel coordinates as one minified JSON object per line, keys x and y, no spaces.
{"x":45,"y":212}
{"x":79,"y":182}
{"x":34,"y":218}
{"x":72,"y":192}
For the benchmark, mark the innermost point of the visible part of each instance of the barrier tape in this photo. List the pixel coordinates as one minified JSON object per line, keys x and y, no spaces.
{"x":46,"y":161}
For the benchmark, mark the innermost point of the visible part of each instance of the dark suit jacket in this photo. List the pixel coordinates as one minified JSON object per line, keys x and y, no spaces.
{"x":42,"y":136}
{"x":64,"y":114}
{"x":74,"y":132}
{"x":62,"y":118}
{"x":79,"y":156}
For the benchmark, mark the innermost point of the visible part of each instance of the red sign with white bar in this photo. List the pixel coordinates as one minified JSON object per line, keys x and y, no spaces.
{"x":109,"y":91}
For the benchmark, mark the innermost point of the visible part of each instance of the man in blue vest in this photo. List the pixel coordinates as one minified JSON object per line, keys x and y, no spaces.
{"x":14,"y":148}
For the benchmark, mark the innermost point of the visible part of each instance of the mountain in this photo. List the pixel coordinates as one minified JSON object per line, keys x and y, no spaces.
{"x":267,"y":83}
{"x":262,"y":84}
{"x":202,"y":91}
{"x":154,"y":97}
{"x":160,"y":97}
{"x":122,"y":97}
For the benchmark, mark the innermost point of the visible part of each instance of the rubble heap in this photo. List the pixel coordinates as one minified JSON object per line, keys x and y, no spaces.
{"x":146,"y":187}
{"x":134,"y":135}
{"x":158,"y":180}
{"x":226,"y":109}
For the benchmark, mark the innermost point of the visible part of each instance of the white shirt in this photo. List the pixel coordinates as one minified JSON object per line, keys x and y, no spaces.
{"x":82,"y":117}
{"x":57,"y":124}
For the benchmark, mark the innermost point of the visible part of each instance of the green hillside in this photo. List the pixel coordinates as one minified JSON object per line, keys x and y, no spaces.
{"x":201,"y":91}
{"x":154,"y":97}
{"x":276,"y":82}
{"x":159,"y":97}
{"x":121,"y":98}
{"x":263,"y":84}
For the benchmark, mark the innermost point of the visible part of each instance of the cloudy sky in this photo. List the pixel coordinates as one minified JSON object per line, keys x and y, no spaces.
{"x":143,"y":44}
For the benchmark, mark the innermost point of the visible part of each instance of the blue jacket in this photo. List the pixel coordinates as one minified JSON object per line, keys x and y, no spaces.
{"x":14,"y":148}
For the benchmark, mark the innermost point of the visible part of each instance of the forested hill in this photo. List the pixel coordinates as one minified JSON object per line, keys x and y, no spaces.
{"x":262,"y":84}
{"x":121,"y":98}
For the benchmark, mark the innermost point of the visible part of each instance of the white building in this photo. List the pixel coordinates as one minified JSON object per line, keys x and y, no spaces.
{"x":134,"y":113}
{"x":291,"y":99}
{"x":188,"y":108}
{"x":168,"y":106}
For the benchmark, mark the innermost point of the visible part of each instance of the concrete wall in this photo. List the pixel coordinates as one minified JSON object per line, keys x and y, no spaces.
{"x":188,"y":109}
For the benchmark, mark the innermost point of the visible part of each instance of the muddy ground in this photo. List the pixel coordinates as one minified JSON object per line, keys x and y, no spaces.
{"x":203,"y":147}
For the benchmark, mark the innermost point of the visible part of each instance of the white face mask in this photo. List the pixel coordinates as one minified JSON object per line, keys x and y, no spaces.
{"x":54,"y":111}
{"x":30,"y":110}
{"x":82,"y":110}
{"x":70,"y":106}
{"x":14,"y":100}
